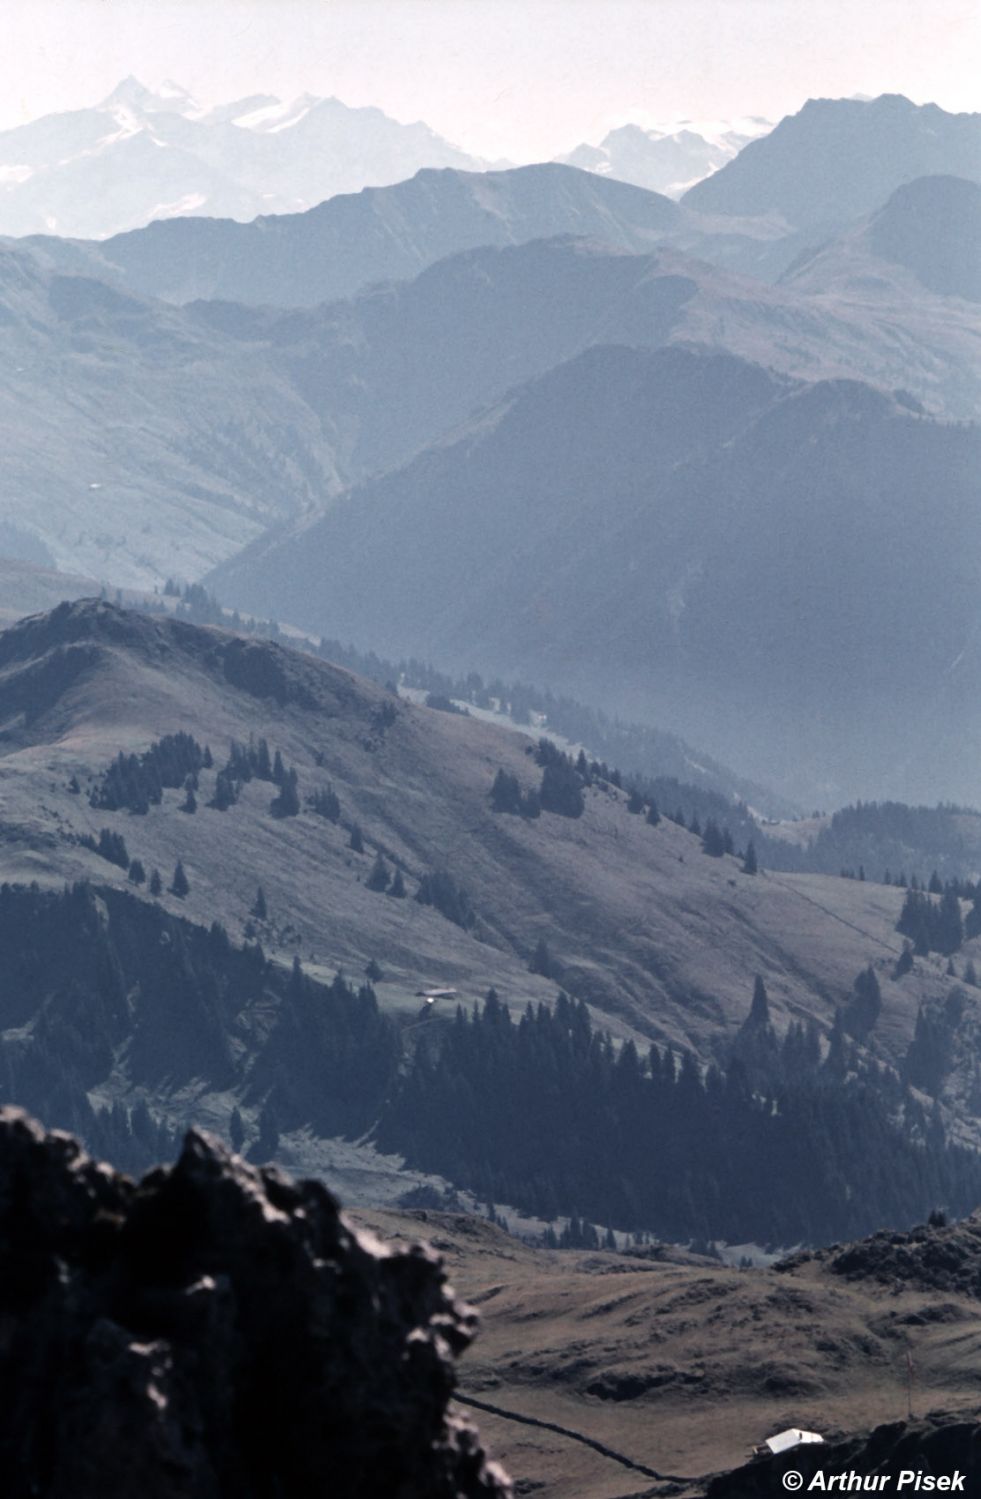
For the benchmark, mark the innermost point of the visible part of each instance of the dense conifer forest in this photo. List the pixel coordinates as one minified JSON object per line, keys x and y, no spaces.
{"x":106,"y":996}
{"x":544,"y":1113}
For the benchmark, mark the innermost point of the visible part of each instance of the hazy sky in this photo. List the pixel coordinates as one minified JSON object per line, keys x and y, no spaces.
{"x":521,"y":78}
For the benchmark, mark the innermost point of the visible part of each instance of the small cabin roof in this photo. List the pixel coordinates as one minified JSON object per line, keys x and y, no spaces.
{"x":786,"y":1441}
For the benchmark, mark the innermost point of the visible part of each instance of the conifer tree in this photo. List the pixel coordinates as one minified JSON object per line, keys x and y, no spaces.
{"x":541,"y":961}
{"x":156,"y":883}
{"x":267,"y":1142}
{"x":356,"y":842}
{"x":759,"y":1010}
{"x":260,"y":910}
{"x":379,"y":877}
{"x":750,"y":865}
{"x":236,"y":1130}
{"x":397,"y":887}
{"x":713,"y":842}
{"x":287,"y":803}
{"x":179,"y":885}
{"x":950,"y":927}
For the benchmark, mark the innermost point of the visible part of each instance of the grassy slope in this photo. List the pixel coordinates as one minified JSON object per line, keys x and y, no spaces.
{"x":729,"y":1356}
{"x":661,"y":940}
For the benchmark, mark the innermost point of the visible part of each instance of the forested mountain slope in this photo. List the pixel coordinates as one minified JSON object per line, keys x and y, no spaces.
{"x":328,"y":840}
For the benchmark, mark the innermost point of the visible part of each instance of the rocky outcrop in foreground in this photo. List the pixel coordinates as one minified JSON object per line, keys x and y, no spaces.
{"x":214,"y":1331}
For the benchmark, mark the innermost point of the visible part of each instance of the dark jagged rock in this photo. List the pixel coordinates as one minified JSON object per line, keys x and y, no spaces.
{"x":215,"y":1330}
{"x":938,"y":1445}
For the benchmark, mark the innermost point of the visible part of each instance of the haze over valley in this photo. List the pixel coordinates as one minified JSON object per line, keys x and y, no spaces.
{"x":489,"y":666}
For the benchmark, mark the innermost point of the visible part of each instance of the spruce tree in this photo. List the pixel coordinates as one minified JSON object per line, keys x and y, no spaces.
{"x":179,"y":885}
{"x":260,"y":910}
{"x":156,"y":883}
{"x":267,"y":1143}
{"x":950,"y":927}
{"x":750,"y":865}
{"x":236,"y":1130}
{"x":287,"y":803}
{"x":397,"y":887}
{"x":759,"y":1010}
{"x":713,"y":841}
{"x":379,"y":877}
{"x":541,"y":961}
{"x":356,"y":842}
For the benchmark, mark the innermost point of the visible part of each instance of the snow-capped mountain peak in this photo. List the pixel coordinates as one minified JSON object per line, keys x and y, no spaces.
{"x":146,"y":153}
{"x":667,"y":156}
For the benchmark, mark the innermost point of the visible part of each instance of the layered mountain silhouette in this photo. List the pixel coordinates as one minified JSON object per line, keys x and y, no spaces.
{"x":382,"y":234}
{"x":839,"y":159}
{"x":929,"y":229}
{"x":398,"y":366}
{"x":227,"y":418}
{"x":689,"y":532}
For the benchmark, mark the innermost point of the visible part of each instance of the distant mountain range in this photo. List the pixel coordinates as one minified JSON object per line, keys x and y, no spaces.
{"x":161,"y":440}
{"x":399,"y":366}
{"x":838,"y":160}
{"x":380,"y":234}
{"x":146,"y":154}
{"x":261,"y":415}
{"x":691,"y":535}
{"x":778,"y":208}
{"x":445,"y":352}
{"x":143,"y":155}
{"x":929,"y":232}
{"x":670,"y":158}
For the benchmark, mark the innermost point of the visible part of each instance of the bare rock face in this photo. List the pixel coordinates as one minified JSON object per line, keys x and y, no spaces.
{"x":213,"y":1331}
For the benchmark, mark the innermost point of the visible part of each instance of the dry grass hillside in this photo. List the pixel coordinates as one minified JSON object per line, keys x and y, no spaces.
{"x":684,"y":1367}
{"x":661,"y":940}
